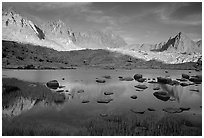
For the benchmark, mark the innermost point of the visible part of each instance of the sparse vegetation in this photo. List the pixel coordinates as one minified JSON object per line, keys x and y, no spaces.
{"x":28,"y":56}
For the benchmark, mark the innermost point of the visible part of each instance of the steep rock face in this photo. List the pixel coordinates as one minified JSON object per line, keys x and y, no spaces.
{"x":17,"y":28}
{"x":180,"y":44}
{"x":99,"y":39}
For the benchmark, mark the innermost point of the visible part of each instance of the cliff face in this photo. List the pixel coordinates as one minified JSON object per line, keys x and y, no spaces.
{"x":54,"y":34}
{"x":181,"y":43}
{"x":17,"y":28}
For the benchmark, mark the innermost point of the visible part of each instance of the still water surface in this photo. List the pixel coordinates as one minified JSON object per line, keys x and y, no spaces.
{"x":73,"y":112}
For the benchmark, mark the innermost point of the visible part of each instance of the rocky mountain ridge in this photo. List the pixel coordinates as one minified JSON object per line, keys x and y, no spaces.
{"x":59,"y":36}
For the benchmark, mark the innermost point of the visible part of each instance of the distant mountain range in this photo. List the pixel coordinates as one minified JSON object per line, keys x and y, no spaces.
{"x":59,"y":36}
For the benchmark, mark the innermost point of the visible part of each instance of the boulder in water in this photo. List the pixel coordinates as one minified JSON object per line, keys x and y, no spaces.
{"x":151,"y":109}
{"x":53,"y":84}
{"x":104,"y":100}
{"x":185,"y":76}
{"x":164,"y":96}
{"x":85,"y":101}
{"x":137,"y":112}
{"x":172,"y":110}
{"x":141,"y":80}
{"x":137,"y":76}
{"x":133,"y":96}
{"x":126,"y":79}
{"x":100,"y":81}
{"x":141,"y":86}
{"x":164,"y":80}
{"x":184,"y":84}
{"x":108,"y":93}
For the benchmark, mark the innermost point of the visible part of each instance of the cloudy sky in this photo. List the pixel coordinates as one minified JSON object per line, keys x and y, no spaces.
{"x":135,"y":22}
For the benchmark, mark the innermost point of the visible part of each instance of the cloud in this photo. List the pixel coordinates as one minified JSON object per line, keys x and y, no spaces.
{"x":44,"y":6}
{"x":178,"y":13}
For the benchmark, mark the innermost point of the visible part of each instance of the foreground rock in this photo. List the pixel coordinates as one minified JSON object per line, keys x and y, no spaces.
{"x":141,"y":86}
{"x":100,"y":81}
{"x":196,"y":79}
{"x":137,"y":76}
{"x":80,"y":91}
{"x":59,"y":98}
{"x":185,"y":108}
{"x":185,"y":76}
{"x":161,"y":95}
{"x":107,"y":76}
{"x":195,"y":90}
{"x":151,"y":109}
{"x":133,"y":96}
{"x":53,"y":84}
{"x":108,"y":93}
{"x":164,"y":80}
{"x":137,"y":112}
{"x":156,"y":88}
{"x":184,"y":84}
{"x":141,"y":80}
{"x":126,"y":79}
{"x":172,"y":110}
{"x":105,"y":100}
{"x":85,"y":101}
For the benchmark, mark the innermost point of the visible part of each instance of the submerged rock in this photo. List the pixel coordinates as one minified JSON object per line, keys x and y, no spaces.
{"x":137,"y":112}
{"x":156,"y":88}
{"x":184,"y":84}
{"x":195,"y":90}
{"x":126,"y":79}
{"x":137,"y":76}
{"x":59,"y":98}
{"x":80,"y":91}
{"x":133,"y":96}
{"x":32,"y":85}
{"x":185,"y":108}
{"x":53,"y":84}
{"x":108,"y":93}
{"x":196,"y":79}
{"x":141,"y":79}
{"x":100,"y":81}
{"x":164,"y":80}
{"x":103,"y":115}
{"x":107,"y":76}
{"x":151,"y":109}
{"x":182,"y":79}
{"x":185,"y":76}
{"x":139,"y":90}
{"x":141,"y":86}
{"x":85,"y":101}
{"x":174,"y":82}
{"x":172,"y":110}
{"x":161,"y":95}
{"x":105,"y":100}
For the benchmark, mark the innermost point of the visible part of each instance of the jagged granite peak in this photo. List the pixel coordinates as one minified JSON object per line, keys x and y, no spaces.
{"x":181,"y":43}
{"x":19,"y":29}
{"x":99,"y":39}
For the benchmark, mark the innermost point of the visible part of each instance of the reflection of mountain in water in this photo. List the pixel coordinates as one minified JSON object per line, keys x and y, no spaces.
{"x":173,"y":91}
{"x":20,"y":105}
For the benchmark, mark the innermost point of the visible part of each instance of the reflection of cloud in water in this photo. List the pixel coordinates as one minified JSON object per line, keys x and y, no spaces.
{"x":174,"y":91}
{"x":94,"y":91}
